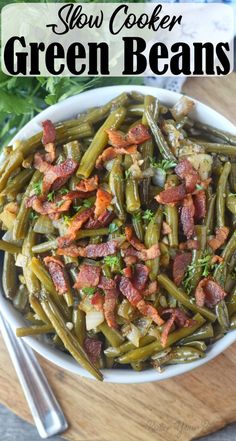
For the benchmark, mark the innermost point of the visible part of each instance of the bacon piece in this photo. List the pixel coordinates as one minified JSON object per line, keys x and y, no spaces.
{"x":185,"y":171}
{"x":109,"y":307}
{"x":166,"y":229}
{"x":132,"y":239}
{"x":129,"y":291}
{"x":87,"y":185}
{"x":93,"y":348}
{"x":144,"y":254}
{"x":58,"y":274}
{"x":55,"y":176}
{"x":191,"y":244}
{"x":117,"y":138}
{"x":76,"y":224}
{"x":151,"y":289}
{"x":166,"y":329}
{"x":88,"y":276}
{"x":219,"y":239}
{"x":97,"y":301}
{"x":40,"y":164}
{"x":103,"y":200}
{"x":149,"y":311}
{"x":217,"y":259}
{"x":181,"y":262}
{"x":111,"y":153}
{"x":51,"y":152}
{"x":140,"y":276}
{"x":91,"y":251}
{"x":130,"y":260}
{"x":49,"y":132}
{"x":71,"y":250}
{"x":138,"y":134}
{"x":171,"y":195}
{"x":48,"y":208}
{"x":209,"y":293}
{"x":128,"y":272}
{"x":177,"y":316}
{"x":102,"y":221}
{"x":187,"y":216}
{"x":106,"y":283}
{"x":199,"y":200}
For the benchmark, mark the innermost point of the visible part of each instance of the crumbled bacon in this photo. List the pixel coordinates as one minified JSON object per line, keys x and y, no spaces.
{"x":181,"y":262}
{"x":185,"y":171}
{"x":90,"y":251}
{"x":166,"y":229}
{"x":103,"y":200}
{"x":151,"y":289}
{"x":171,"y":195}
{"x":102,"y":221}
{"x":58,"y":273}
{"x":55,"y":176}
{"x":219,"y":239}
{"x":130,"y":260}
{"x":140,"y":276}
{"x":109,"y":306}
{"x":49,"y":132}
{"x":187,"y":216}
{"x":144,"y":254}
{"x":51,"y":152}
{"x":112,"y":152}
{"x":199,"y":200}
{"x":166,"y":329}
{"x":48,"y":208}
{"x":190,"y":244}
{"x":75,"y":225}
{"x":106,"y":283}
{"x":132,"y":239}
{"x":128,"y":272}
{"x":149,"y":311}
{"x":209,"y":293}
{"x":177,"y":316}
{"x":87,"y":185}
{"x":93,"y":348}
{"x":88,"y":276}
{"x":129,"y":291}
{"x":97,"y":301}
{"x":138,"y":134}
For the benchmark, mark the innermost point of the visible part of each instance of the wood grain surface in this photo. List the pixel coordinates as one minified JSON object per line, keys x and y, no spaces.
{"x":179,"y":409}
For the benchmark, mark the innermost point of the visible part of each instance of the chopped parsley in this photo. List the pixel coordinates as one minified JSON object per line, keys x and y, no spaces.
{"x":59,"y":203}
{"x":37,"y":187}
{"x":206,"y":267}
{"x":112,"y":228}
{"x":165,"y":164}
{"x":50,"y":196}
{"x":66,"y":220}
{"x":137,"y":216}
{"x":87,"y":203}
{"x":128,"y":173}
{"x":33,"y":216}
{"x":89,"y":291}
{"x":148,"y":215}
{"x":64,"y":191}
{"x":114,"y":262}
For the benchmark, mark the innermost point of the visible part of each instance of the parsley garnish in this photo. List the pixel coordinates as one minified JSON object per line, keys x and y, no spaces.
{"x":87,"y":203}
{"x":114,"y":262}
{"x":66,"y":220}
{"x":128,"y":173}
{"x":64,"y":191}
{"x":199,"y":187}
{"x":112,"y":228}
{"x":148,"y":215}
{"x":137,"y":216}
{"x":59,"y":203}
{"x":165,"y":164}
{"x":37,"y":187}
{"x":206,"y":266}
{"x":50,"y":196}
{"x":33,"y":216}
{"x":89,"y":291}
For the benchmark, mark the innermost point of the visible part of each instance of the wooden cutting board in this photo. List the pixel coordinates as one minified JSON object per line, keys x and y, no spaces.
{"x":180,"y":409}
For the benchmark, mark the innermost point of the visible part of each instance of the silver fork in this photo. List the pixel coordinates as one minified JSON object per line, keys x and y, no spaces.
{"x":46,"y":411}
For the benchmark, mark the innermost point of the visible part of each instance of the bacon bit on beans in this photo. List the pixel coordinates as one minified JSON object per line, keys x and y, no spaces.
{"x":181,"y":262}
{"x":144,"y":254}
{"x":171,"y":195}
{"x":132,"y":239}
{"x":88,"y":276}
{"x":149,"y":311}
{"x":140,"y":276}
{"x":55,"y":176}
{"x":191,"y":244}
{"x":177,"y":316}
{"x":48,"y":208}
{"x":166,"y":330}
{"x":130,"y":260}
{"x":90,"y":251}
{"x":97,"y":301}
{"x":112,"y":152}
{"x":78,"y":222}
{"x":89,"y":184}
{"x":151,"y":289}
{"x":103,"y":200}
{"x":219,"y":239}
{"x":166,"y":229}
{"x":102,"y":221}
{"x":129,"y":291}
{"x":106,"y":283}
{"x":109,"y":306}
{"x":128,"y":272}
{"x":51,"y":152}
{"x":209,"y":293}
{"x":138,"y":134}
{"x":58,"y":274}
{"x":185,"y":171}
{"x":49,"y":132}
{"x":93,"y":348}
{"x":187,"y":216}
{"x":199,"y":200}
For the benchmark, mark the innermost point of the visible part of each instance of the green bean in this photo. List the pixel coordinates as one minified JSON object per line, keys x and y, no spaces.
{"x":34,"y":330}
{"x":139,"y":366}
{"x":20,"y":300}
{"x":99,"y":142}
{"x":203,"y":333}
{"x":152,"y":237}
{"x":185,"y":355}
{"x":15,"y":161}
{"x":143,"y":353}
{"x":78,"y":319}
{"x":201,"y":236}
{"x":159,"y":138}
{"x":220,"y":272}
{"x":221,"y":134}
{"x":112,"y":352}
{"x":222,"y":315}
{"x":132,"y":196}
{"x":135,"y":110}
{"x":221,"y":195}
{"x":41,"y":273}
{"x":37,"y":308}
{"x":16,"y":184}
{"x":137,"y":96}
{"x":112,"y":335}
{"x":209,"y":219}
{"x":232,"y":177}
{"x":231,"y":202}
{"x":116,"y":184}
{"x":147,"y":147}
{"x":172,"y":220}
{"x":45,"y":246}
{"x":99,"y":113}
{"x":44,"y":225}
{"x":138,"y":225}
{"x":233,"y":322}
{"x":72,"y":150}
{"x":68,"y":339}
{"x":31,"y":280}
{"x":183,"y":298}
{"x":22,"y":220}
{"x":9,"y":247}
{"x":200,"y":345}
{"x":221,"y":149}
{"x":9,"y":276}
{"x":231,"y":302}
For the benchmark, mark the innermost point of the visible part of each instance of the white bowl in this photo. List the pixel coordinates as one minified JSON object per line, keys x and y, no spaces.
{"x":69,"y":109}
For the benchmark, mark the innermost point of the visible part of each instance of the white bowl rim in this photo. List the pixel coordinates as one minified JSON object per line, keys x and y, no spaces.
{"x":55,"y":113}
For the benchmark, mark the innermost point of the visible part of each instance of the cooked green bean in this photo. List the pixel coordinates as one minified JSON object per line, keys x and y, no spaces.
{"x":9,"y":276}
{"x":209,"y":219}
{"x":116,"y":184}
{"x":220,"y":272}
{"x":221,"y":195}
{"x":9,"y":247}
{"x":16,"y":184}
{"x":222,"y":149}
{"x":232,"y":178}
{"x":132,"y":196}
{"x":15,"y":161}
{"x":203,"y":333}
{"x":138,"y":225}
{"x":200,"y":345}
{"x":222,"y":315}
{"x":185,"y":355}
{"x":115,"y":351}
{"x":112,"y":335}
{"x":78,"y":320}
{"x":34,"y":330}
{"x":152,"y":237}
{"x":31,"y":280}
{"x":172,"y":220}
{"x":225,"y":136}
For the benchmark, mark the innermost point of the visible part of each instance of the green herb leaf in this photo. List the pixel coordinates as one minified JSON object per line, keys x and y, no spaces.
{"x":87,"y":203}
{"x":33,"y":216}
{"x":89,"y":291}
{"x":63,"y":191}
{"x":112,"y":228}
{"x":165,"y":164}
{"x":37,"y":187}
{"x":148,"y":215}
{"x":66,"y":220}
{"x":50,"y":196}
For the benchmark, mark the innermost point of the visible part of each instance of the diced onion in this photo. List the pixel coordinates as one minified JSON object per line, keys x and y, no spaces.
{"x":21,"y":260}
{"x":94,"y":319}
{"x":159,"y":177}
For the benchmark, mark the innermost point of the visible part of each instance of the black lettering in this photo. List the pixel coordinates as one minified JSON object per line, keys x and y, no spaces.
{"x":54,"y":52}
{"x":34,"y":57}
{"x":158,"y":51}
{"x":221,"y":48}
{"x":130,"y":67}
{"x":180,"y":63}
{"x":93,"y":58}
{"x":75,"y":52}
{"x":9,"y":57}
{"x":207,"y":63}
